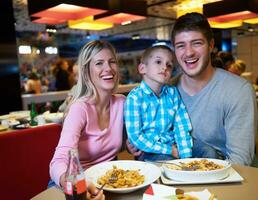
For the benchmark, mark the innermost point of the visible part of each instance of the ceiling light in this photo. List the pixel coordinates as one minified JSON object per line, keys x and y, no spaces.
{"x":225,"y":25}
{"x":108,"y":11}
{"x":250,"y":29}
{"x":231,"y":11}
{"x":123,"y":12}
{"x":67,"y":12}
{"x":46,"y":20}
{"x":136,"y":37}
{"x":119,"y":18}
{"x":57,"y":12}
{"x":25,"y":49}
{"x":88,"y":24}
{"x":252,"y":21}
{"x":188,"y":6}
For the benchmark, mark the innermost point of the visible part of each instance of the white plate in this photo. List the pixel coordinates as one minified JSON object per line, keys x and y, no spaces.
{"x":20,"y":114}
{"x":164,"y":192}
{"x":54,"y":117}
{"x":151,"y":173}
{"x":181,"y":175}
{"x":233,"y":176}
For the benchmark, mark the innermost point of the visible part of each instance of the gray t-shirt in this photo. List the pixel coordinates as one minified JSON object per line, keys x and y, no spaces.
{"x":223,"y":115}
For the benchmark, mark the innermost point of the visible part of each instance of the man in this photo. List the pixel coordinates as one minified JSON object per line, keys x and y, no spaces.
{"x":222,"y":107}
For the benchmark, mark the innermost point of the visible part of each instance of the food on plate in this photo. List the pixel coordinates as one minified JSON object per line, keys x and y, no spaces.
{"x":124,"y":178}
{"x":197,"y":165}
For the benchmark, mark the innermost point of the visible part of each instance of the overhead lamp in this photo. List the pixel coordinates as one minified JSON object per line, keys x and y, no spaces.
{"x":230,"y":10}
{"x":108,"y":11}
{"x":225,"y":25}
{"x":123,"y":12}
{"x":59,"y":11}
{"x":67,"y":12}
{"x":46,"y":20}
{"x":120,"y":18}
{"x":252,"y":21}
{"x":188,"y":6}
{"x":88,"y":24}
{"x":181,"y":12}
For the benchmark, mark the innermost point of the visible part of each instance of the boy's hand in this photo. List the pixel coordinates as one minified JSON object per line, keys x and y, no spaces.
{"x":133,"y":150}
{"x":175,"y":151}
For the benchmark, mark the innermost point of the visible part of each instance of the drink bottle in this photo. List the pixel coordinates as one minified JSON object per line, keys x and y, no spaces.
{"x":33,"y":114}
{"x":75,"y":183}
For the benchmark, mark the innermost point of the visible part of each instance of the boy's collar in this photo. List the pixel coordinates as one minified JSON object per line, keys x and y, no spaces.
{"x":146,"y":88}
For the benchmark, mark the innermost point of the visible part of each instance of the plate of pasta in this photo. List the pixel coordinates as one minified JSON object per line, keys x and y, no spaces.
{"x":129,"y":175}
{"x":199,"y":169}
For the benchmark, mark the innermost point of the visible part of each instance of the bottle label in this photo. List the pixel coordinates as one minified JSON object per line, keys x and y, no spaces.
{"x":68,"y":188}
{"x":81,"y":186}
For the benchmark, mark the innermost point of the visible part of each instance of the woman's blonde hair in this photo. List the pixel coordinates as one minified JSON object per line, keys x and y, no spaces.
{"x":238,"y":67}
{"x":85,"y":88}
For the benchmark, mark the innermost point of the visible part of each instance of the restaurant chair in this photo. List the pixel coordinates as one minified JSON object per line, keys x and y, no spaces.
{"x":25,"y":156}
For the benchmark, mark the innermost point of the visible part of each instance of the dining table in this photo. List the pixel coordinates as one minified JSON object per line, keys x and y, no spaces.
{"x":243,"y":190}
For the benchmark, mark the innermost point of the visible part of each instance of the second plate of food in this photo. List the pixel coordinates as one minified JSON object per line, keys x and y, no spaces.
{"x":130,"y":175}
{"x":197,"y":169}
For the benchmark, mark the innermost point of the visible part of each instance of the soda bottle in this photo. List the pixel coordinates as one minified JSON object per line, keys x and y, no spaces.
{"x":33,"y":115}
{"x":75,"y":183}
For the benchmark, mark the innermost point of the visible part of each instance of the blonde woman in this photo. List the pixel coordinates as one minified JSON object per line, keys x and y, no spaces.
{"x":94,"y":120}
{"x":238,"y":67}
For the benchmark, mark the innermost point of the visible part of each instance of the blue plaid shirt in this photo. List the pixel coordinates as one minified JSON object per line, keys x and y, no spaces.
{"x":154,"y":123}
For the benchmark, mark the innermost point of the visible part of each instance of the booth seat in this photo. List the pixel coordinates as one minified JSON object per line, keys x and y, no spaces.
{"x":25,"y":156}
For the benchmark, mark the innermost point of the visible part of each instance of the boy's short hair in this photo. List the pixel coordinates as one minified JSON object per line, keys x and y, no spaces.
{"x":192,"y":22}
{"x":146,"y":53}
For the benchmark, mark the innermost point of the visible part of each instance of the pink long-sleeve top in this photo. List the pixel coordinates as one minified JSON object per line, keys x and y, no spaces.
{"x":81,"y":130}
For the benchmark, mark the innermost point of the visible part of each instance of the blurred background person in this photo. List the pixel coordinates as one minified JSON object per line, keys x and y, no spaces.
{"x":238,"y":67}
{"x":223,"y":60}
{"x":61,"y":74}
{"x":33,"y":84}
{"x":227,"y":59}
{"x":73,"y":73}
{"x":73,"y":91}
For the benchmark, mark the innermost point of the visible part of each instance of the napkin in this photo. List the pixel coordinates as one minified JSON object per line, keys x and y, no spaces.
{"x":163,"y":192}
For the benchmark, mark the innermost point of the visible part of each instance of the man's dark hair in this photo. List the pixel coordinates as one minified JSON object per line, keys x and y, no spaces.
{"x":192,"y":22}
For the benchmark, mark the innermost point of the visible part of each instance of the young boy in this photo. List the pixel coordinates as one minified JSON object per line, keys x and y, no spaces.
{"x":155,"y":117}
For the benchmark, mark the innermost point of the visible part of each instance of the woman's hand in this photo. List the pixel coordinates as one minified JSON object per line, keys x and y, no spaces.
{"x":62,"y":180}
{"x":94,"y":193}
{"x":132,"y":149}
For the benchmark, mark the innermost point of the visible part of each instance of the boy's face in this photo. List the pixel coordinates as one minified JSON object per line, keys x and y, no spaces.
{"x":193,"y":52}
{"x":158,"y":67}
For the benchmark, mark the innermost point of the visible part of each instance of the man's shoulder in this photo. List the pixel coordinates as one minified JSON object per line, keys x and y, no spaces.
{"x":229,"y":80}
{"x":232,"y":85}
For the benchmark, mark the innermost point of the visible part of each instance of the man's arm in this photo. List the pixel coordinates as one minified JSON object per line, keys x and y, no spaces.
{"x":241,"y":125}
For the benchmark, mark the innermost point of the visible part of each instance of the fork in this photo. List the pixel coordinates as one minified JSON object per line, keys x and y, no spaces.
{"x":193,"y":168}
{"x":113,"y":178}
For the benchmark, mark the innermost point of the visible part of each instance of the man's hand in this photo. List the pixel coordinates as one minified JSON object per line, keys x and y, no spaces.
{"x":133,"y":150}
